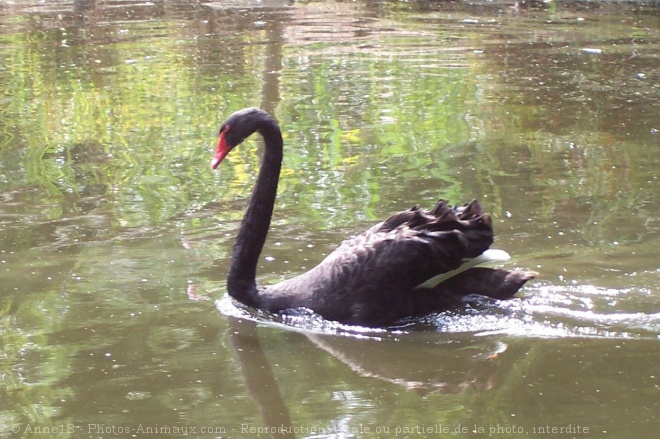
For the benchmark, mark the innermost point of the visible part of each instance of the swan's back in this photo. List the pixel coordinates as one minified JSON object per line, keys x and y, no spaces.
{"x":371,"y":278}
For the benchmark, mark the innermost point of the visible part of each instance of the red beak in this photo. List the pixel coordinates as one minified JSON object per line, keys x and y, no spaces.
{"x":221,"y":152}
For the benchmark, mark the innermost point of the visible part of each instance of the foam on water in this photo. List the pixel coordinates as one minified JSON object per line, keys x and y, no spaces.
{"x":549,"y":311}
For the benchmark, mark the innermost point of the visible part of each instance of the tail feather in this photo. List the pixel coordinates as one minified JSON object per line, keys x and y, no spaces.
{"x":488,"y":282}
{"x":494,"y":283}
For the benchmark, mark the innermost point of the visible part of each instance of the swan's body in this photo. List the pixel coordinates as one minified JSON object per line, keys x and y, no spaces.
{"x":401,"y":267}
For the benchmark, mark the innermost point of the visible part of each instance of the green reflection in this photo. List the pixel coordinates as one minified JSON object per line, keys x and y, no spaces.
{"x":113,"y":230}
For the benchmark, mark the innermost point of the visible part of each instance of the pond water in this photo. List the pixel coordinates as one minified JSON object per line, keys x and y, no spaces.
{"x":115,"y":235}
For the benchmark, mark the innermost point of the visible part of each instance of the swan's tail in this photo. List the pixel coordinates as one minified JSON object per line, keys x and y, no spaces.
{"x":477,"y":281}
{"x":490,"y":282}
{"x":473,"y":229}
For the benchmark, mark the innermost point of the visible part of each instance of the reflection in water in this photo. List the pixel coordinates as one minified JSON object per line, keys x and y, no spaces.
{"x":258,"y":378}
{"x":423,"y":364}
{"x":420,"y":361}
{"x":448,"y":365}
{"x":454,"y":361}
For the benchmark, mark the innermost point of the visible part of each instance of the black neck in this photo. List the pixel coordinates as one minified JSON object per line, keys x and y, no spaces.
{"x":241,"y":281}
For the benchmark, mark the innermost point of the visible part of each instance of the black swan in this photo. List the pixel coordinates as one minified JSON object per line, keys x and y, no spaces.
{"x":414,"y":263}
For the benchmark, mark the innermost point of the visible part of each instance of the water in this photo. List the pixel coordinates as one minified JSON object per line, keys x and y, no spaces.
{"x":115,"y":236}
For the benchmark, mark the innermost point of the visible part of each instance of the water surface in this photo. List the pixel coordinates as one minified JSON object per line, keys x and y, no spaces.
{"x":115,"y":236}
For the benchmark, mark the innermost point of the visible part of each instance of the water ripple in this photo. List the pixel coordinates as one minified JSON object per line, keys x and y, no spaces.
{"x":551,"y":312}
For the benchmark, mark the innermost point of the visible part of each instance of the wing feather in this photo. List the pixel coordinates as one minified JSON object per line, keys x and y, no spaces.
{"x":414,"y":246}
{"x":371,"y":277}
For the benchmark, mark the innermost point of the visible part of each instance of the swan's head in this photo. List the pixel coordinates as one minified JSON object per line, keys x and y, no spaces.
{"x":238,"y":127}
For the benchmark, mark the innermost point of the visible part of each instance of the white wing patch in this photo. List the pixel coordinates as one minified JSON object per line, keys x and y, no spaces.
{"x":490,"y":256}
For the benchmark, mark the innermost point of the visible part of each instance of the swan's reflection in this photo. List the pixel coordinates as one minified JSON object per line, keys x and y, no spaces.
{"x":422,"y":361}
{"x":421,"y":365}
{"x":258,"y":376}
